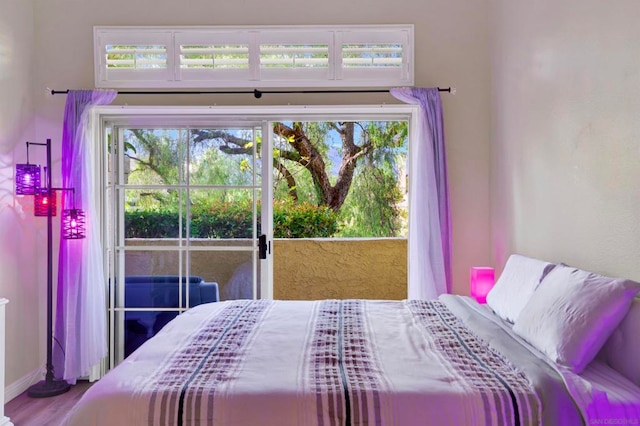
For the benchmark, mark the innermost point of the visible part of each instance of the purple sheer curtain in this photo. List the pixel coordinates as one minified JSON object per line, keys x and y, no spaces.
{"x":80,"y":332}
{"x":430,"y":216}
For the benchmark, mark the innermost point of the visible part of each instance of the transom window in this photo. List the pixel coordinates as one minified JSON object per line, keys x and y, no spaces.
{"x":256,"y":57}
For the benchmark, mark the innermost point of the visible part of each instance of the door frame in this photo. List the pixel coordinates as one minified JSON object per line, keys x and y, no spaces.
{"x":194,"y":115}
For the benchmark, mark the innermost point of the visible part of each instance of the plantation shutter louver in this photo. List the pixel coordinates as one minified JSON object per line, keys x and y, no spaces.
{"x":141,"y":58}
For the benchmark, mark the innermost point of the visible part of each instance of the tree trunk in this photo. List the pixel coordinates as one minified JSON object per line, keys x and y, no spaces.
{"x":309,"y":157}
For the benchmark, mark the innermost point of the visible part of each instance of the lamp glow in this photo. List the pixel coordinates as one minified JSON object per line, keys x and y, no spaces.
{"x":41,"y":203}
{"x":27,"y":179}
{"x":73,"y":224}
{"x":482,"y":281}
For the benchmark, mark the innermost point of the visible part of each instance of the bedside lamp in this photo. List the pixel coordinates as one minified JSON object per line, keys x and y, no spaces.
{"x":482,"y":281}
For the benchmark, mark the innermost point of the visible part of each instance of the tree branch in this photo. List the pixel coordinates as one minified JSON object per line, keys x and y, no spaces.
{"x":288,"y":176}
{"x":310,"y":158}
{"x":153,"y":152}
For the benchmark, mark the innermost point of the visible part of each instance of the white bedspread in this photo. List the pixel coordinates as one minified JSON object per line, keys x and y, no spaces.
{"x":312,"y":363}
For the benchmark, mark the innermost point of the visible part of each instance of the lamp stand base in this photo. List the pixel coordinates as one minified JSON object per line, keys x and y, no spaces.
{"x":45,"y":389}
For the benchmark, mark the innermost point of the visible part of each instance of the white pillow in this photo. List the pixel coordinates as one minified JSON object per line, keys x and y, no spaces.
{"x":518,"y":281}
{"x":572,"y":313}
{"x":622,"y":351}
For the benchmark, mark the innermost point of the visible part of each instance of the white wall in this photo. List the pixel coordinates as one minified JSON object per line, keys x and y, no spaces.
{"x":566,"y":132}
{"x":21,"y":261}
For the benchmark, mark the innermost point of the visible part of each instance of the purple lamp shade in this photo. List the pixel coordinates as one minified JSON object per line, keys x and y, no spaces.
{"x":482,"y":281}
{"x":27,"y":179}
{"x":73,"y":224}
{"x":41,"y":203}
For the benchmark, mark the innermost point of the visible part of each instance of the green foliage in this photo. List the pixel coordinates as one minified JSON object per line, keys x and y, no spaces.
{"x":234,"y":220}
{"x":303,"y":220}
{"x":159,"y":151}
{"x":218,"y":158}
{"x":373,"y":187}
{"x":222,"y":220}
{"x":151,"y":224}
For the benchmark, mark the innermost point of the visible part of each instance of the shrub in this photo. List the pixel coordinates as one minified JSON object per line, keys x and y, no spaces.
{"x":234,"y":220}
{"x":303,"y":220}
{"x":151,"y":224}
{"x":222,"y":220}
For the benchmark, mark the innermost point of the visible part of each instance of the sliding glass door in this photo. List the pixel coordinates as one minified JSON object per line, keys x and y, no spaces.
{"x":223,"y":203}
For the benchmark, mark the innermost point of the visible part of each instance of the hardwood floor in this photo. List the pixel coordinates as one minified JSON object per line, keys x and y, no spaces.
{"x":26,"y":411}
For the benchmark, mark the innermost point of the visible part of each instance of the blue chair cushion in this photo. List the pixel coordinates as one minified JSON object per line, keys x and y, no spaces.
{"x":159,"y":291}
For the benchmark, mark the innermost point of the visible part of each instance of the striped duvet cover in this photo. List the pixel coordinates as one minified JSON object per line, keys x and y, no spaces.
{"x":332,"y":362}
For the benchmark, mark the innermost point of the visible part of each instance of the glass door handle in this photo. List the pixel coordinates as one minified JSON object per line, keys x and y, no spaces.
{"x":263,"y":246}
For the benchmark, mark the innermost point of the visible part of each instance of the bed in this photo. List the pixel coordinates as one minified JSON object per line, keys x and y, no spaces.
{"x":449,"y":361}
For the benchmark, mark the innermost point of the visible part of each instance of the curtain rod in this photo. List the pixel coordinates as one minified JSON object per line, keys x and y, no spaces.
{"x":257,"y":93}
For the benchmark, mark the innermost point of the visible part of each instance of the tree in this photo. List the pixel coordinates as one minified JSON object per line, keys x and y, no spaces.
{"x":304,"y":160}
{"x":374,"y":187}
{"x":310,"y":153}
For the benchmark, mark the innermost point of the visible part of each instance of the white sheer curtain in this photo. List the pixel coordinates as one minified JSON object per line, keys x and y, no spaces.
{"x":81,"y":333}
{"x":429,"y":216}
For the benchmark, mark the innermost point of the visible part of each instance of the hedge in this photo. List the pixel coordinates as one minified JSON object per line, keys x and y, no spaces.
{"x":233,"y":220}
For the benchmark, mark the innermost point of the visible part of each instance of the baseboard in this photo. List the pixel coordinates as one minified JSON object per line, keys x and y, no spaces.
{"x":21,"y":385}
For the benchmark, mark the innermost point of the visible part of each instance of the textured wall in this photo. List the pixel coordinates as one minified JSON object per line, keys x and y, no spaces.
{"x":566,"y":148}
{"x":340,"y":269}
{"x":303,"y":269}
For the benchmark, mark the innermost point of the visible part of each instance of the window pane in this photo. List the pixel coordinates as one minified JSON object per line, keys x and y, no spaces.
{"x":223,"y":157}
{"x":372,"y":55}
{"x":154,"y":156}
{"x":154,"y":213}
{"x":225,"y":214}
{"x":232,"y":270}
{"x":294,"y":56}
{"x":136,"y":56}
{"x":214,"y":57}
{"x":340,"y":179}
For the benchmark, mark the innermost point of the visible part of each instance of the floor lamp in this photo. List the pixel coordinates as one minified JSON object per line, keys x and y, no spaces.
{"x":28,"y":182}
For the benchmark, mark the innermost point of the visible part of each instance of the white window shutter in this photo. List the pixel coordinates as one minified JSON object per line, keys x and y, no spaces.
{"x":297,"y":56}
{"x":211,"y":58}
{"x":254,"y":57}
{"x":382,"y":55}
{"x":134,"y":58}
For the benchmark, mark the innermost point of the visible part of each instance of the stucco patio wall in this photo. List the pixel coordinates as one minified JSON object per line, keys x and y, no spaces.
{"x":304,"y":269}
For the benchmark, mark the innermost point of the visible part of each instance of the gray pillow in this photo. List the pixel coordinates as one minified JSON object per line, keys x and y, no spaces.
{"x":622,"y":350}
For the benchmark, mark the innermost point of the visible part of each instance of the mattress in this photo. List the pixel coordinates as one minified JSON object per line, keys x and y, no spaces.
{"x":448,"y":361}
